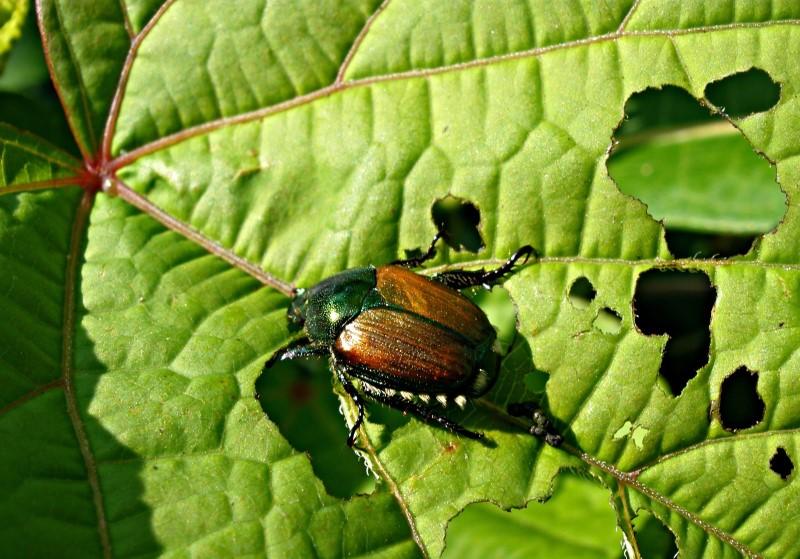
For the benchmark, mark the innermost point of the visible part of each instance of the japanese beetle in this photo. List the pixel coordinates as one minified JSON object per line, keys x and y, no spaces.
{"x":407,"y":340}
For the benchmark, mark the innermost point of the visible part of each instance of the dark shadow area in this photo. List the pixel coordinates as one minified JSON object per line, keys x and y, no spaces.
{"x":694,"y":170}
{"x":520,"y":382}
{"x":663,"y":108}
{"x":744,"y":93}
{"x":457,"y":220}
{"x":48,"y":506}
{"x":582,"y":293}
{"x":298,"y":396}
{"x":687,"y":244}
{"x":781,"y":464}
{"x":740,"y":405}
{"x":677,"y":303}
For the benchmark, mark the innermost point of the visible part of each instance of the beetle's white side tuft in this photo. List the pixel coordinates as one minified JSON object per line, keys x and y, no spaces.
{"x":481,"y":382}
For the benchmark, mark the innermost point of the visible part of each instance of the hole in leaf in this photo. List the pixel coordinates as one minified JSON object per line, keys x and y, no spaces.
{"x":608,"y":321}
{"x":695,"y":171}
{"x":781,"y":464}
{"x":582,"y":293}
{"x":634,"y":431}
{"x":677,"y":303}
{"x":740,"y":405}
{"x":744,"y":93}
{"x":500,"y":310}
{"x":686,"y":244}
{"x":574,"y":523}
{"x":654,"y":539}
{"x":457,"y":220}
{"x":298,"y":397}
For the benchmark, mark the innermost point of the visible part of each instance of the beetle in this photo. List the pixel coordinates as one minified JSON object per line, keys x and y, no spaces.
{"x":408,"y":341}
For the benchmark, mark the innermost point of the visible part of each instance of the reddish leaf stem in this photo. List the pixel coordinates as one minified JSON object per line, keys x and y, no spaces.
{"x":79,"y":226}
{"x":145,"y":205}
{"x":85,"y":151}
{"x":28,"y":396}
{"x":42,"y":185}
{"x":116,"y":102}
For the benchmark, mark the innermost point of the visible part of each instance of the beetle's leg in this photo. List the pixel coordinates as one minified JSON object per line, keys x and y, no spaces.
{"x":296,"y":349}
{"x":427,"y":414}
{"x":417,"y":261}
{"x":460,"y":279}
{"x":541,"y":427}
{"x":353,"y":393}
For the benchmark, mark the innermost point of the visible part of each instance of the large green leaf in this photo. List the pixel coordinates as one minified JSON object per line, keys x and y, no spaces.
{"x":282,"y":142}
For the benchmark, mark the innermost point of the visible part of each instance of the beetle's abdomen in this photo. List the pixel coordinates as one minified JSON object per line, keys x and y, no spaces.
{"x":405,"y":351}
{"x":403,"y":288}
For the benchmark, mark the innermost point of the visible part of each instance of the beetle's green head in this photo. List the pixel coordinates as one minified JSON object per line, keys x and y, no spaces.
{"x":325,"y":308}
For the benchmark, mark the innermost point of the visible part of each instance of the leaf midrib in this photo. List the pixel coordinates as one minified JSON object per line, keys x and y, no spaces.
{"x":77,"y":235}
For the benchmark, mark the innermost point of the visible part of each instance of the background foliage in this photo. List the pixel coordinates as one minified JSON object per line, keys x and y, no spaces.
{"x":188,"y":152}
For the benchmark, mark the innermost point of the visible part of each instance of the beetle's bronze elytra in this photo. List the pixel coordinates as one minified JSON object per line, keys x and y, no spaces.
{"x":410,"y":341}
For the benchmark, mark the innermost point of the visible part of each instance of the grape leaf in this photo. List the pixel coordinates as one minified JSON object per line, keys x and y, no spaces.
{"x":276,"y":143}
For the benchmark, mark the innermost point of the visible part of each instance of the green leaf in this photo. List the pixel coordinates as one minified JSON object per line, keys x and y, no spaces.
{"x":31,"y":163}
{"x":85,"y":44}
{"x":278,"y":143}
{"x":255,"y":56}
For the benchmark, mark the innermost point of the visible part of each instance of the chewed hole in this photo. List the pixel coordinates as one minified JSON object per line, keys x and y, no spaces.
{"x":608,"y":321}
{"x":500,"y":311}
{"x":744,"y":93}
{"x":484,"y":530}
{"x":781,"y":464}
{"x":654,"y":538}
{"x":457,"y":220}
{"x":740,"y":405}
{"x":687,"y":244}
{"x":582,"y":293}
{"x":298,"y":394}
{"x":677,"y":303}
{"x":695,"y":170}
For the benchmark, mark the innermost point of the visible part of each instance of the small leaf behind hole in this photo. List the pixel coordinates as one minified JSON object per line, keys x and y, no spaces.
{"x":608,"y":321}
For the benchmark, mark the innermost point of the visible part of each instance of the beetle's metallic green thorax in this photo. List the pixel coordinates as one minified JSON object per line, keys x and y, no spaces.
{"x":326,"y":307}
